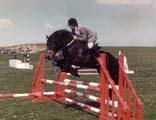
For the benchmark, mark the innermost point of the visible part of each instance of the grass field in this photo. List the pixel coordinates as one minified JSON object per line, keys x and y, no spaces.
{"x":141,"y":60}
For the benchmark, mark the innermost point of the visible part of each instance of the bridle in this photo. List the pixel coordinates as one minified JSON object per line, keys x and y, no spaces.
{"x":50,"y":53}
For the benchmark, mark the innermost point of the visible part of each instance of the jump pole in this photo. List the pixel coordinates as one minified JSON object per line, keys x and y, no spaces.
{"x":87,"y":83}
{"x":91,"y":88}
{"x":18,"y":95}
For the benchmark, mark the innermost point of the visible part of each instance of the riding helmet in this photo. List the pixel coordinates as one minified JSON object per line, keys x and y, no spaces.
{"x":72,"y":21}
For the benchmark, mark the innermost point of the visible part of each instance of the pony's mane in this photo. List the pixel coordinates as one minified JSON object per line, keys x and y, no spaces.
{"x":59,"y":38}
{"x":61,"y":34}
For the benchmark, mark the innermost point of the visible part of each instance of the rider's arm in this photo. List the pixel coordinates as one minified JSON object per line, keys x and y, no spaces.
{"x":82,"y":35}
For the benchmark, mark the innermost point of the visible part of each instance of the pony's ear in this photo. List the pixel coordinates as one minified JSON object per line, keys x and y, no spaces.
{"x":47,"y":36}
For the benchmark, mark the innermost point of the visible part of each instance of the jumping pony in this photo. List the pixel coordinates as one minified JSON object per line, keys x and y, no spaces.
{"x":70,"y":55}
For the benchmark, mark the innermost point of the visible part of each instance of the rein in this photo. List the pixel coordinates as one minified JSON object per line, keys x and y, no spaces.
{"x":65,"y":46}
{"x":70,"y":43}
{"x":60,"y":51}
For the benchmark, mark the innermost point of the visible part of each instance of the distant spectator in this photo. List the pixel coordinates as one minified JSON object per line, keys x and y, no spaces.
{"x":15,"y":54}
{"x":26,"y":57}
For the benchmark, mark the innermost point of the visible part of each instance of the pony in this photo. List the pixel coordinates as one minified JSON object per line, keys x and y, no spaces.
{"x":70,"y":55}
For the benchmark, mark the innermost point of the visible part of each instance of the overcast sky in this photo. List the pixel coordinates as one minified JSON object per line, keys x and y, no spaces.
{"x":117,"y":22}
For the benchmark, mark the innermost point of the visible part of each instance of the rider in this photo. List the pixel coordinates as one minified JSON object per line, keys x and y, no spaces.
{"x":84,"y":34}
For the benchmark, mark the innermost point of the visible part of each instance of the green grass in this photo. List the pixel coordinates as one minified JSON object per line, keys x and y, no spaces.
{"x":141,"y":60}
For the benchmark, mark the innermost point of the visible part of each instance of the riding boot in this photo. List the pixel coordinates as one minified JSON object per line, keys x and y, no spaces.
{"x":95,"y":51}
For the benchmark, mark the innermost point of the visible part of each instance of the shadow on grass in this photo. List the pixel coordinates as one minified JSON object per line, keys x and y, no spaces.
{"x":78,"y":108}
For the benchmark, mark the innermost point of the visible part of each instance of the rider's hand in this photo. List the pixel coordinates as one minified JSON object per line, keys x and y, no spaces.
{"x":74,"y":37}
{"x":73,"y":31}
{"x":90,"y":45}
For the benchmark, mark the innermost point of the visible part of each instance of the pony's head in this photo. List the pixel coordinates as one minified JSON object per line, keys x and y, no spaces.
{"x":57,"y":41}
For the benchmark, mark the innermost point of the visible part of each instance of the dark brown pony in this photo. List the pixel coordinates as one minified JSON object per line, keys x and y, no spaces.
{"x":74,"y":55}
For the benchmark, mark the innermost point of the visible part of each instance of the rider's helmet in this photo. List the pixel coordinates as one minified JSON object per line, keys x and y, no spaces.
{"x":72,"y":22}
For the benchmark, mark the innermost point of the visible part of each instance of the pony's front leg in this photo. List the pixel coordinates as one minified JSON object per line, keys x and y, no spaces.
{"x":66,"y":67}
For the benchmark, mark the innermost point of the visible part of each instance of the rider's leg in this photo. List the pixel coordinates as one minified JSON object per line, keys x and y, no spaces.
{"x":95,"y":51}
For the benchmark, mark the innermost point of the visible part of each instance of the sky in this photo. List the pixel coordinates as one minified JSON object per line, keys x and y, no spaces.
{"x":117,"y":22}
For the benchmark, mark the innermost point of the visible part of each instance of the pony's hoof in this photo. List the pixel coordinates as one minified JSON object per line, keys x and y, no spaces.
{"x":74,"y":72}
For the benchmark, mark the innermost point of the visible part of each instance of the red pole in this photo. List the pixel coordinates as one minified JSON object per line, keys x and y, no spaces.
{"x":102,"y":115}
{"x":140,"y":114}
{"x":37,"y":86}
{"x":60,"y":90}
